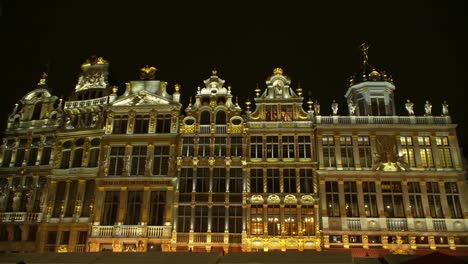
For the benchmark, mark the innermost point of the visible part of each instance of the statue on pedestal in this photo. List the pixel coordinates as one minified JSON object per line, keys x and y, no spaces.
{"x":445,"y":111}
{"x":351,"y":108}
{"x":317,"y":107}
{"x":428,"y":109}
{"x":409,"y":107}
{"x":334,"y":107}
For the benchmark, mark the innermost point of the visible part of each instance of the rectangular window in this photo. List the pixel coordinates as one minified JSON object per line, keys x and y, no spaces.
{"x":256,"y":147}
{"x":45,"y":157}
{"x":65,"y":161}
{"x":408,"y":150}
{"x":77,"y":158}
{"x":236,"y":146}
{"x":203,"y":180}
{"x":392,"y":195}
{"x":20,"y":152}
{"x":163,"y":124}
{"x":453,"y":199}
{"x":82,"y":237}
{"x":365,"y":153}
{"x":111,"y":207}
{"x":157,"y":208}
{"x":328,"y":147}
{"x":59,"y":198}
{"x":7,"y":153}
{"x":351,"y":201}
{"x":289,"y":181}
{"x":160,"y":160}
{"x":220,"y":147}
{"x":346,"y":146}
{"x":219,"y":180}
{"x":333,"y":203}
{"x":272,"y":147}
{"x":141,"y":124}
{"x":201,"y":219}
{"x":426,"y":152}
{"x":271,"y":112}
{"x":235,"y":180}
{"x":93,"y":158}
{"x":256,"y":219}
{"x":204,"y":147}
{"x":274,"y":223}
{"x":414,"y":193}
{"x":65,"y":237}
{"x":218,"y":219}
{"x":186,"y":180}
{"x":116,"y":161}
{"x":307,"y":218}
{"x":273,"y":181}
{"x":120,"y":124}
{"x":443,"y":149}
{"x":286,"y":113}
{"x":304,"y":146}
{"x":290,"y":220}
{"x":187,"y":147}
{"x":306,"y":181}
{"x":256,"y":180}
{"x":433,"y":197}
{"x":33,"y":151}
{"x":235,"y":218}
{"x":287,"y":145}
{"x":183,"y":218}
{"x":71,"y":201}
{"x":88,"y":198}
{"x":138,"y":160}
{"x":378,"y":106}
{"x":134,"y":202}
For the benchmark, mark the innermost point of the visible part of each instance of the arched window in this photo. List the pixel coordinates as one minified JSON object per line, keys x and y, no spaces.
{"x":37,"y":111}
{"x":221,"y":118}
{"x":205,"y":118}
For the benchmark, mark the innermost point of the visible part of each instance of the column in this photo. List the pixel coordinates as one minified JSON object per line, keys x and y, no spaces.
{"x":281,"y":179}
{"x":357,"y":160}
{"x":404,"y":190}
{"x":80,"y":198}
{"x":99,"y":204}
{"x":380,"y":205}
{"x":149,"y":160}
{"x":122,"y":204}
{"x":424,"y":199}
{"x":360,"y":197}
{"x":339,"y":165}
{"x":65,"y":199}
{"x":127,"y":160}
{"x":341,"y":198}
{"x":417,"y":152}
{"x":145,"y":207}
{"x":455,"y":151}
{"x":320,"y":151}
{"x":443,"y":200}
{"x":435,"y":153}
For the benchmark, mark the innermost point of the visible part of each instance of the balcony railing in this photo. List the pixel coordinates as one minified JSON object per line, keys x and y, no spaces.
{"x":80,"y":248}
{"x":20,"y":217}
{"x":354,"y":223}
{"x":217,"y":237}
{"x":86,"y":103}
{"x":438,"y":120}
{"x":397,"y":224}
{"x":205,"y":129}
{"x":182,"y":237}
{"x":235,"y":238}
{"x":131,"y":231}
{"x":439,"y":225}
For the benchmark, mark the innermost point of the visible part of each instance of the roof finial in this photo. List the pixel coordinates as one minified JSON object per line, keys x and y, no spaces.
{"x":43,"y":79}
{"x":214,"y":71}
{"x":364,"y":47}
{"x":278,"y":70}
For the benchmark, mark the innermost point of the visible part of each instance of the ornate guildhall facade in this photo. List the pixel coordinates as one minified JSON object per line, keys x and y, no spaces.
{"x":138,"y":171}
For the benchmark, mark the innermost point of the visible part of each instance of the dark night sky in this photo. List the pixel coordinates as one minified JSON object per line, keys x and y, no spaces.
{"x":422,"y":44}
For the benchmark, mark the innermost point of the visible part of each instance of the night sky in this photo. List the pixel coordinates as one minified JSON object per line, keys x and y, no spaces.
{"x":422,"y":44}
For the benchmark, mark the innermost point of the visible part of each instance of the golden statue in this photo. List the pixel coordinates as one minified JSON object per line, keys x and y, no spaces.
{"x":148,"y":73}
{"x":278,"y":71}
{"x":364,"y":48}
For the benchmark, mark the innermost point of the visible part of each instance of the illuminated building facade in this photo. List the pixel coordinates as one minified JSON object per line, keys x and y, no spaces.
{"x":133,"y":172}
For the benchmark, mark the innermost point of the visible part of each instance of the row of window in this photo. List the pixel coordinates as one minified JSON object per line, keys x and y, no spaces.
{"x":134,"y":208}
{"x":69,"y":202}
{"x":138,"y":162}
{"x":280,"y":147}
{"x":141,"y":124}
{"x":202,"y":146}
{"x":425,"y":151}
{"x":282,"y":221}
{"x":218,"y":218}
{"x":422,"y":240}
{"x":393,"y":201}
{"x":20,"y":153}
{"x":206,"y":180}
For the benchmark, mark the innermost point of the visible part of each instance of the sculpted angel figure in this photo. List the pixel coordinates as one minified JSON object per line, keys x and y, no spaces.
{"x":334,"y":107}
{"x":409,"y":107}
{"x":445,"y":111}
{"x":317,"y":107}
{"x":428,"y":109}
{"x":351,"y":108}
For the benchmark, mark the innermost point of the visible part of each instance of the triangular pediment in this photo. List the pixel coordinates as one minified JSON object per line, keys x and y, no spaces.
{"x":141,"y":98}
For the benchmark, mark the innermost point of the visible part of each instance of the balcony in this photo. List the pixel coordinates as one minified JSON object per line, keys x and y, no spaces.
{"x":354,"y":223}
{"x":20,"y":217}
{"x":128,"y":231}
{"x":423,"y":120}
{"x":397,"y":224}
{"x":86,"y":103}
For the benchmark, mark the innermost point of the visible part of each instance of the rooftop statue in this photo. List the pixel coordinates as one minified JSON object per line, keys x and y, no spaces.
{"x":409,"y":107}
{"x":428,"y":109}
{"x":445,"y":111}
{"x":334,"y":107}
